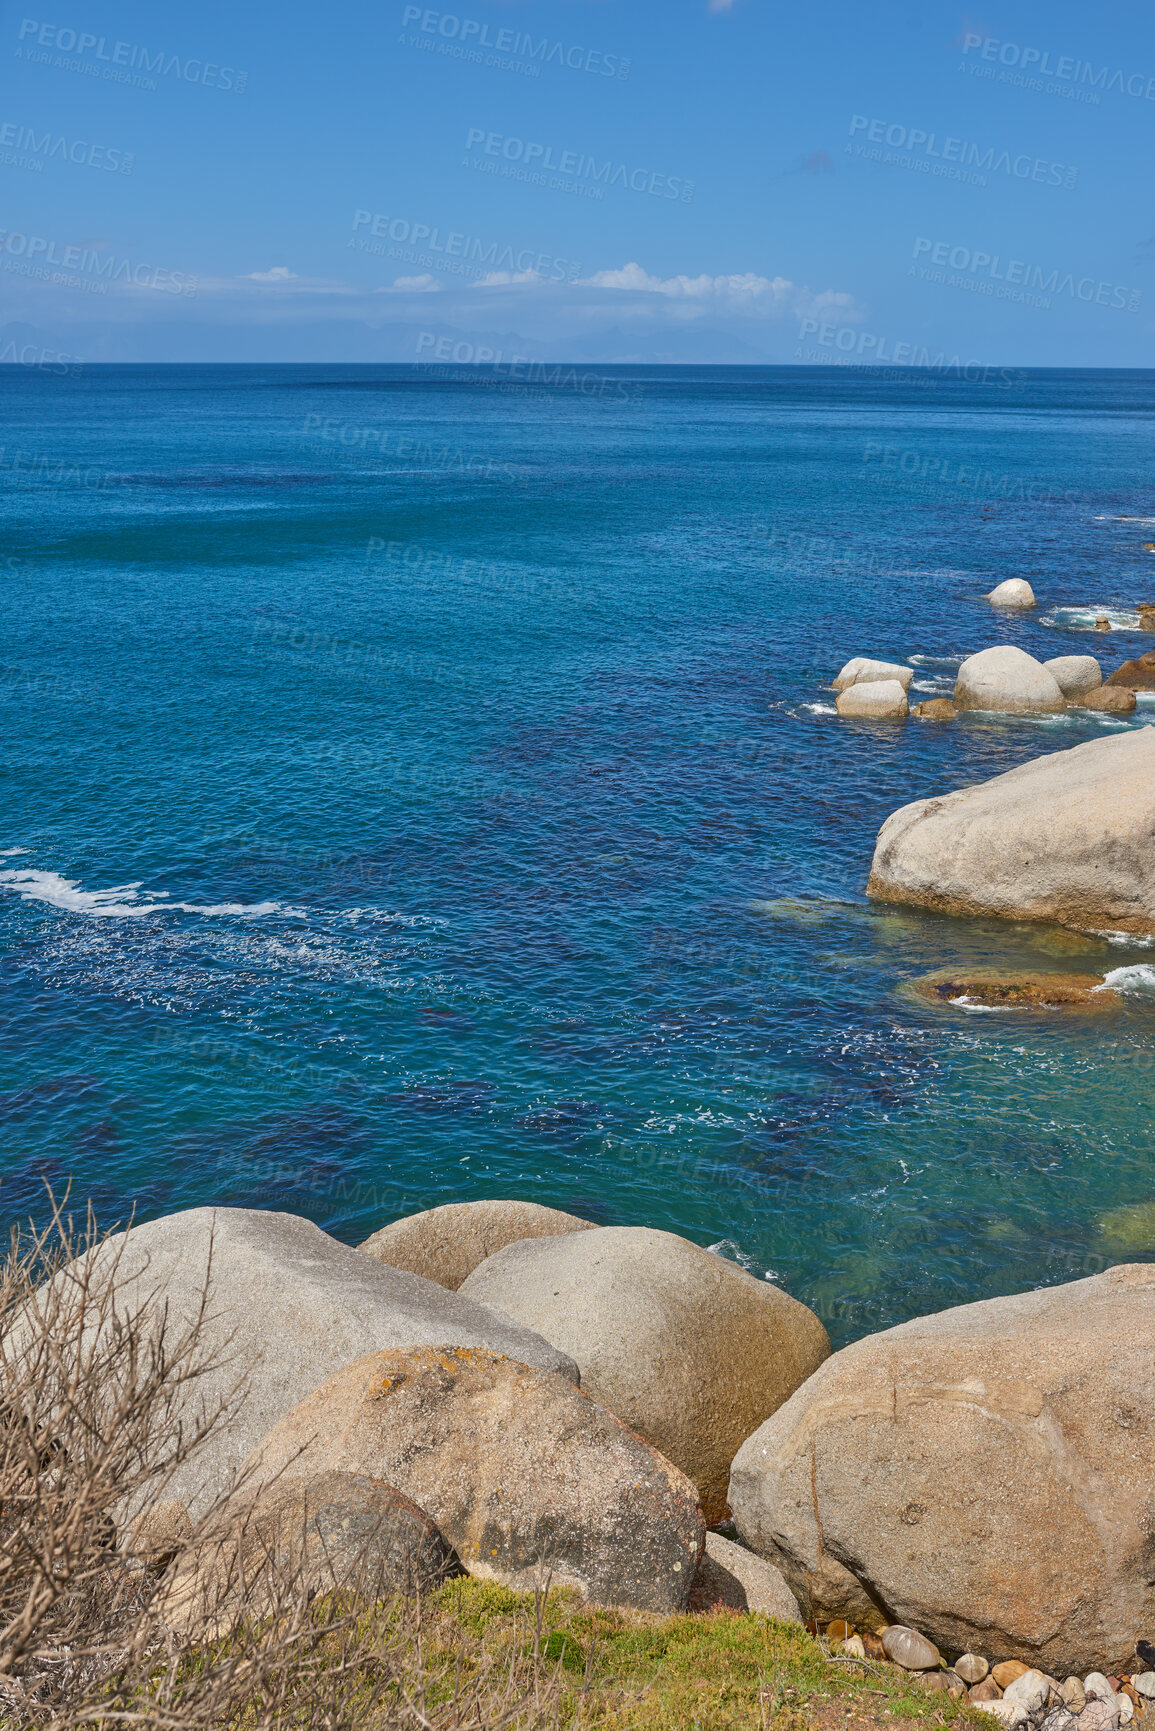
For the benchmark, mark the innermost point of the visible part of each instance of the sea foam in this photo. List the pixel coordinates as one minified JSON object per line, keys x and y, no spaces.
{"x":62,"y":892}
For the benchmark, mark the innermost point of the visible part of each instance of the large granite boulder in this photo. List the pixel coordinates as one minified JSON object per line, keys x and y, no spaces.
{"x":286,"y":1304}
{"x":524,"y":1475}
{"x":686,"y":1348}
{"x":1075,"y":675}
{"x":982,"y":1475}
{"x":873,"y":700}
{"x":1015,"y":592}
{"x":446,"y":1244}
{"x":328,"y":1532}
{"x":1137,"y":675}
{"x":1008,"y":680}
{"x":863,"y":671}
{"x":1068,"y":838}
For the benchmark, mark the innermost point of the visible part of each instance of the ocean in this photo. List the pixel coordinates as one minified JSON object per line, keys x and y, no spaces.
{"x":423,"y":784}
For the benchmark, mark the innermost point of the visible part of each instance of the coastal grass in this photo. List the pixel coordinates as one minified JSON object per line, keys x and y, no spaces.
{"x":591,"y":1666}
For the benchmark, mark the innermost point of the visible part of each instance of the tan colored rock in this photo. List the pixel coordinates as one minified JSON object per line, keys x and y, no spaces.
{"x":523,"y":1474}
{"x":1075,"y":675}
{"x":1009,"y":1671}
{"x":158,"y":1535}
{"x":971,"y":1667}
{"x":881,"y":700}
{"x":686,"y":1348}
{"x":1031,"y":1690}
{"x":1065,"y":838}
{"x":934,"y":1681}
{"x":1015,"y":592}
{"x":287,"y":1305}
{"x":987,"y":1690}
{"x":873,"y":1483}
{"x":446,"y":1244}
{"x":935,"y":709}
{"x":1107,"y":700}
{"x":329,"y":1532}
{"x":863,"y":671}
{"x":1009,"y":680}
{"x":733,"y":1577}
{"x":1136,"y":675}
{"x":1074,"y":1696}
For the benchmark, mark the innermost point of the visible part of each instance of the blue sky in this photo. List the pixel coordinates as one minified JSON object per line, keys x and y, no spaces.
{"x":610,"y":180}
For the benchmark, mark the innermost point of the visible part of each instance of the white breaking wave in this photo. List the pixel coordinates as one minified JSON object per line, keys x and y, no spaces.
{"x":61,"y":892}
{"x":1139,"y":978}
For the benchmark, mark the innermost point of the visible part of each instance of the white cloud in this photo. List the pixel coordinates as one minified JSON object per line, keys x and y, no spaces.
{"x":417,"y":285}
{"x":279,"y":273}
{"x":500,"y":278}
{"x":747,"y":293}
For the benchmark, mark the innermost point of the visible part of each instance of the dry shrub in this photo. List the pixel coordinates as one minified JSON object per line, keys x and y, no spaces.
{"x":94,"y":1386}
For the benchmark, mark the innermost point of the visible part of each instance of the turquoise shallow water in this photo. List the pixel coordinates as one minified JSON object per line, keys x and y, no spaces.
{"x":466,"y":750}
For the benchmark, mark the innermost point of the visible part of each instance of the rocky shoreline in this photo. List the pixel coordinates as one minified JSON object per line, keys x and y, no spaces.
{"x":618,"y":1411}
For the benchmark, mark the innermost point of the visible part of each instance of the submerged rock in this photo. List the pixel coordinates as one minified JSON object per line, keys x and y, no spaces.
{"x":936,"y":709}
{"x":991,"y":990}
{"x":524,"y":1475}
{"x":877,"y":700}
{"x":686,"y":1348}
{"x":875,"y":1483}
{"x":1007,"y":680}
{"x":1015,"y":592}
{"x":446,"y":1244}
{"x":1065,"y":838}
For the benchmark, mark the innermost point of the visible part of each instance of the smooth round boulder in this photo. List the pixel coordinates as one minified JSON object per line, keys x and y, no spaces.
{"x":877,"y":700}
{"x":971,"y":1667}
{"x":330,"y":1532}
{"x":524,"y":1474}
{"x":1075,"y":675}
{"x":686,"y":1348}
{"x":1065,"y":838}
{"x":446,"y":1244}
{"x":1136,"y":675}
{"x":1015,"y":592}
{"x":286,"y":1304}
{"x":863,"y":671}
{"x":1108,"y":700}
{"x":1009,"y":681}
{"x":983,"y":1472}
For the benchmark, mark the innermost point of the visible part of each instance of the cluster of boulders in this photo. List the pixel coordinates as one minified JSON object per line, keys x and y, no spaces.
{"x":589,"y":1400}
{"x":1011,"y":1691}
{"x":1003,"y":680}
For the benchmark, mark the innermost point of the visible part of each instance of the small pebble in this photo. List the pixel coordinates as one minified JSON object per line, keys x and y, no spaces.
{"x":1032,"y":1690}
{"x":987,"y":1690}
{"x":1073,"y":1694}
{"x":1011,"y":1713}
{"x":853,"y":1647}
{"x":1008,"y":1670}
{"x":956,"y":1688}
{"x":838,"y":1630}
{"x":1099,"y":1715}
{"x":1097,"y":1687}
{"x":935,"y":1681}
{"x":971,"y":1668}
{"x":1058,"y":1719}
{"x":910,"y":1649}
{"x":1145,"y":1684}
{"x":873,"y":1644}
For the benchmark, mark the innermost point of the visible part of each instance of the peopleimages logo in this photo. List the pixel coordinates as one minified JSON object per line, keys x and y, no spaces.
{"x":47,"y":145}
{"x":1067,"y":68}
{"x":1023,"y":281}
{"x":125,"y":59}
{"x":575,"y":165}
{"x":959,"y":154}
{"x":470,"y":32}
{"x":467,"y":248}
{"x":33,"y":255}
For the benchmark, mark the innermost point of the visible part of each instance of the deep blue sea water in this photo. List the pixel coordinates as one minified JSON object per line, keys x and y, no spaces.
{"x":424,"y":785}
